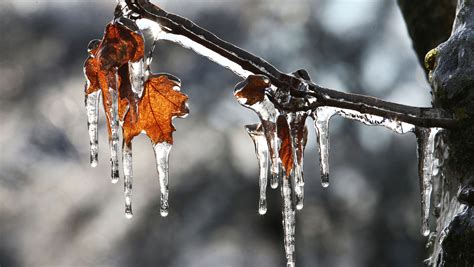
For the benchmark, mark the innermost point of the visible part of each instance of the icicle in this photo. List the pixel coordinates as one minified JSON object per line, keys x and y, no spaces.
{"x":426,"y":147}
{"x":289,"y":220}
{"x":92,"y":107}
{"x":114,"y":141}
{"x":137,"y":73}
{"x":162,"y":151}
{"x":128,"y":177}
{"x":257,"y":134}
{"x":266,"y":112}
{"x":299,"y":134}
{"x":440,"y":155}
{"x":322,"y":115}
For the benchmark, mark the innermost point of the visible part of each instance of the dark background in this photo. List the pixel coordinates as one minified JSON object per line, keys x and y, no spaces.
{"x":57,"y":211}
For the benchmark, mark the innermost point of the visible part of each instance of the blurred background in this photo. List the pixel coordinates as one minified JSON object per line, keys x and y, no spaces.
{"x":55,"y":210}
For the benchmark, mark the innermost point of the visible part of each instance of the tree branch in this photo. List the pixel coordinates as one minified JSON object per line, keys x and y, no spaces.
{"x":301,"y":88}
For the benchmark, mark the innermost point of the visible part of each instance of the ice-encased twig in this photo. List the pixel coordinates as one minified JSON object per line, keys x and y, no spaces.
{"x":374,"y":120}
{"x":128,"y":177}
{"x":92,"y":107}
{"x":426,"y":149}
{"x":289,"y":220}
{"x":321,"y":116}
{"x":257,"y":134}
{"x":114,"y":139}
{"x":162,"y":151}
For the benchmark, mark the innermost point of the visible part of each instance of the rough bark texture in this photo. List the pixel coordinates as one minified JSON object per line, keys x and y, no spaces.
{"x":429,"y":22}
{"x":452,"y":79}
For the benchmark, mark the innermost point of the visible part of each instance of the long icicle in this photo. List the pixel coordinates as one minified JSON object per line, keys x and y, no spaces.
{"x":289,"y":220}
{"x":92,"y":106}
{"x":162,"y":151}
{"x":128,"y":177}
{"x":257,"y":134}
{"x":321,"y":117}
{"x":426,"y":146}
{"x":114,"y":140}
{"x":299,"y":135}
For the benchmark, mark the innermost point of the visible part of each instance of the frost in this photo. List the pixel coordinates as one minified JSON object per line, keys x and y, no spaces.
{"x":261,"y":149}
{"x":92,"y":108}
{"x":162,"y":151}
{"x":128,"y":177}
{"x":426,"y":168}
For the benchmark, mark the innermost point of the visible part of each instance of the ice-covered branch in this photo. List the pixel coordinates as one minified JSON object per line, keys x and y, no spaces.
{"x":138,"y":101}
{"x":186,"y":33}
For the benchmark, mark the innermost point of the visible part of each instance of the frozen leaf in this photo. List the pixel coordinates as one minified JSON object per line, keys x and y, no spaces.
{"x":286,"y":147}
{"x":161,"y":101}
{"x":122,"y":43}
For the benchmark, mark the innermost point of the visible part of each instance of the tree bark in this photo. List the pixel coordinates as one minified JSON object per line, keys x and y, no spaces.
{"x":429,"y":23}
{"x":451,"y":75}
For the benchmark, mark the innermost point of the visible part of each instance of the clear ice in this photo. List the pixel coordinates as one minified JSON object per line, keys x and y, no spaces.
{"x":373,"y":120}
{"x":298,"y":131}
{"x":321,"y":116}
{"x":114,"y":140}
{"x":128,"y":178}
{"x":137,"y":74}
{"x":92,"y":107}
{"x":268,"y":114}
{"x":289,"y":220}
{"x":162,"y":151}
{"x":261,"y":149}
{"x":426,"y":167}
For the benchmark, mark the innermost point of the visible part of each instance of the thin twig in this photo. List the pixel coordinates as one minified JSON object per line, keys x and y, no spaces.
{"x":179,"y":26}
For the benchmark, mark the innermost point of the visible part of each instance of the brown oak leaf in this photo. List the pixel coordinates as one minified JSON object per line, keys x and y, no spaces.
{"x":161,"y":101}
{"x":252,"y":90}
{"x":122,"y":43}
{"x":286,"y":146}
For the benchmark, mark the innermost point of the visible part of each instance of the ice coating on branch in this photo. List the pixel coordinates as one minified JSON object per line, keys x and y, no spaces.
{"x":374,"y":120}
{"x":151,"y":32}
{"x":289,"y":221}
{"x":261,"y":149}
{"x":128,"y":178}
{"x":426,"y":167}
{"x":162,"y":151}
{"x":114,"y":140}
{"x":321,"y":117}
{"x":92,"y":108}
{"x":251,"y":94}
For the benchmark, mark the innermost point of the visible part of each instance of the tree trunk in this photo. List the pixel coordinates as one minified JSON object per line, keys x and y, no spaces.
{"x":451,"y":75}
